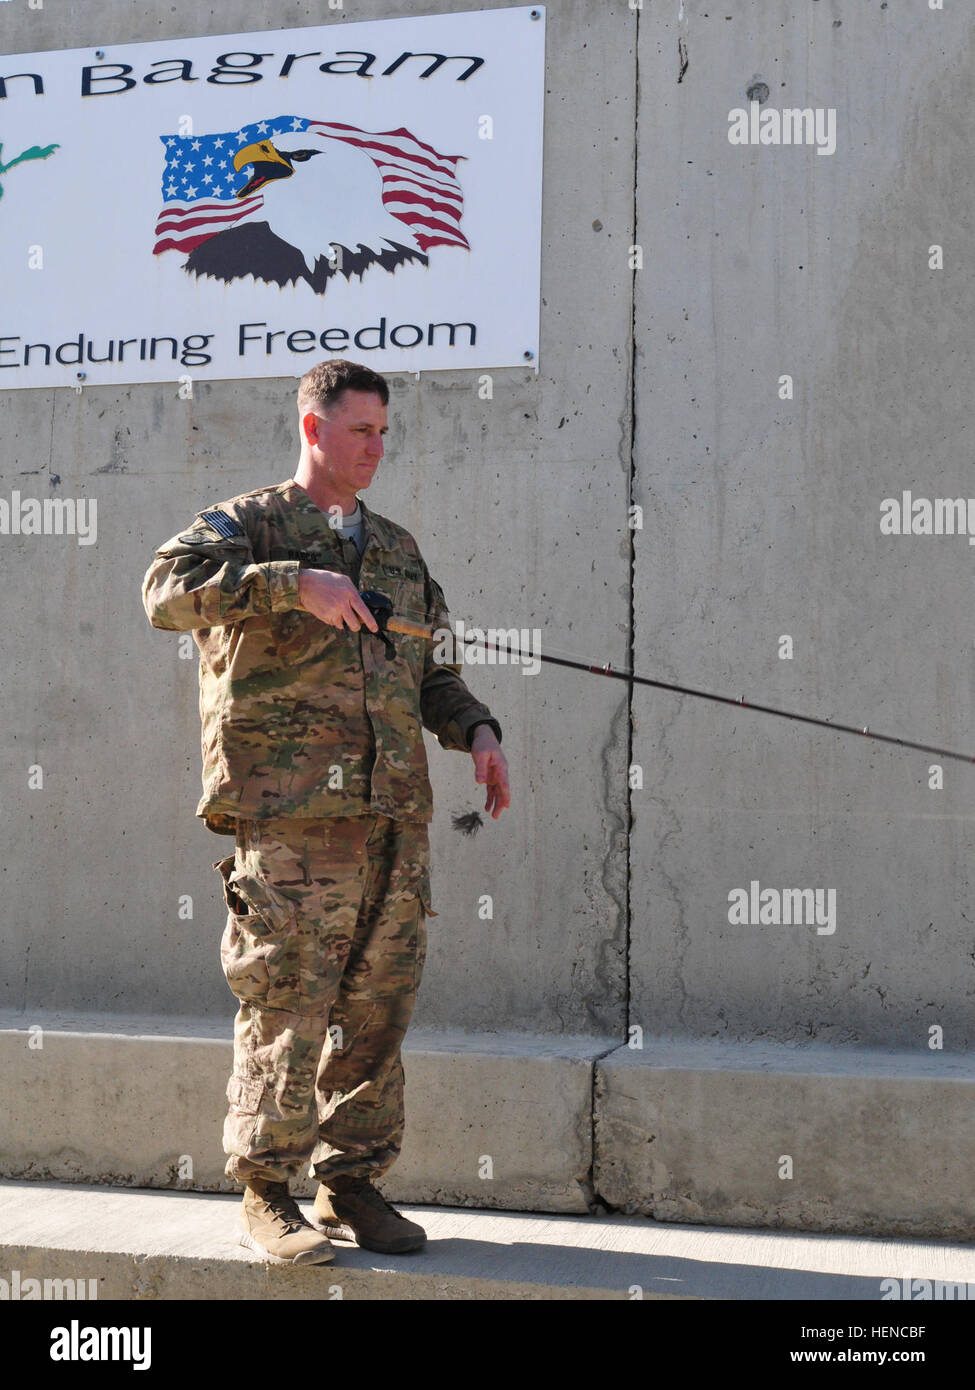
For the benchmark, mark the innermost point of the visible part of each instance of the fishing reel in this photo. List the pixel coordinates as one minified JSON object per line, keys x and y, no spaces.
{"x":380,"y":607}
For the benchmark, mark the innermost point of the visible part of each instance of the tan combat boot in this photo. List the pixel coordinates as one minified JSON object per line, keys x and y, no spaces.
{"x":273,"y":1225}
{"x":352,"y":1208}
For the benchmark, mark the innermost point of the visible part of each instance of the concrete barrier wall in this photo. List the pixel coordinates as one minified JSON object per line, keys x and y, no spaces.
{"x":658,"y":387}
{"x":762,"y":519}
{"x":515,"y":503}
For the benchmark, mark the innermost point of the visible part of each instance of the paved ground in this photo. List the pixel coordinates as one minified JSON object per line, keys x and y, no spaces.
{"x":182,"y":1245}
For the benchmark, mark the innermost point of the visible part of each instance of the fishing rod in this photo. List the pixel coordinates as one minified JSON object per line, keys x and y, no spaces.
{"x":382,"y":610}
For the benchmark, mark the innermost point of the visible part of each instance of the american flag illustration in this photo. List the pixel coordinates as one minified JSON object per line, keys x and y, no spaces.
{"x":419,"y":185}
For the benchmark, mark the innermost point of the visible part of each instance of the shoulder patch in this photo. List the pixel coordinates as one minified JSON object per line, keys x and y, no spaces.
{"x":223,"y":524}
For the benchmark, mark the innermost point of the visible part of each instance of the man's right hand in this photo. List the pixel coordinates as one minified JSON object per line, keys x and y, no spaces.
{"x":333,"y":599}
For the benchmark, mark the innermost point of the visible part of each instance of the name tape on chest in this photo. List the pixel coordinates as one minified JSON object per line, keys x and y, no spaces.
{"x":401,"y":571}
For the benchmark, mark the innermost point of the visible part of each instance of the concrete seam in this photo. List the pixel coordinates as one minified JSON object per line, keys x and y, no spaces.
{"x":631,"y":578}
{"x":595,"y":1201}
{"x":597,"y":1204}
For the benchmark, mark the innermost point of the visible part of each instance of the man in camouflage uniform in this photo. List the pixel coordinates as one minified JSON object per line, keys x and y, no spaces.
{"x":313,"y":758}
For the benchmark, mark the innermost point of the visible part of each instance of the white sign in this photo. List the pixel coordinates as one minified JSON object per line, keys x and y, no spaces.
{"x":246,"y":205}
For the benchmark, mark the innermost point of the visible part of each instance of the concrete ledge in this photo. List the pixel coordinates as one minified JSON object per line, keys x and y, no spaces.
{"x":178,"y":1245}
{"x":879,"y":1142}
{"x":116,"y":1100}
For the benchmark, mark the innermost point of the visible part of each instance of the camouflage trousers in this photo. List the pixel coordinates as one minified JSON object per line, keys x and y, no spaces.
{"x":324,"y":947}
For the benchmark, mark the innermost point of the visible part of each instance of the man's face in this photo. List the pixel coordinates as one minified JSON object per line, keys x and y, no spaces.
{"x":348,"y":440}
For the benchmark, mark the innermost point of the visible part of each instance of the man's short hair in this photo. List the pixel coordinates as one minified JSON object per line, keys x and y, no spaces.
{"x":325,"y":383}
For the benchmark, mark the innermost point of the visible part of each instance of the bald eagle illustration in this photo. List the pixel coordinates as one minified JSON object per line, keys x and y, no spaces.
{"x":322,"y":215}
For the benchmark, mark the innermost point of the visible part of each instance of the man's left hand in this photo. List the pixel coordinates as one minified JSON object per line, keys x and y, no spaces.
{"x":491,"y":767}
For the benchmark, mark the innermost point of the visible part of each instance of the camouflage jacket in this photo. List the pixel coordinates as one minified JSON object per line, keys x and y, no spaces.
{"x":300,"y":718}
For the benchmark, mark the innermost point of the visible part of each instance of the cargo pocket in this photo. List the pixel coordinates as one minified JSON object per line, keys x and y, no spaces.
{"x":260,"y":945}
{"x":245,"y":1094}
